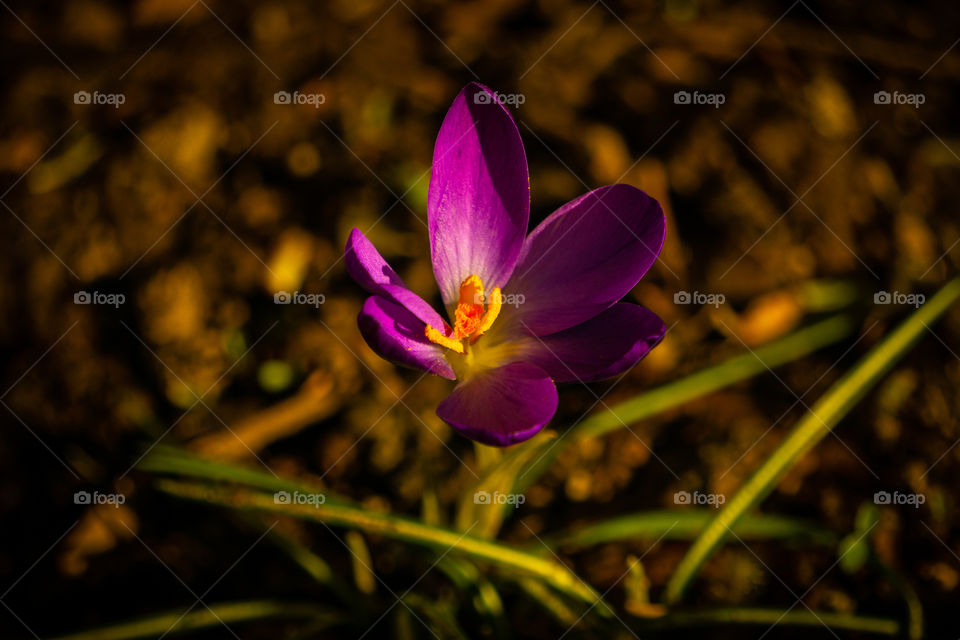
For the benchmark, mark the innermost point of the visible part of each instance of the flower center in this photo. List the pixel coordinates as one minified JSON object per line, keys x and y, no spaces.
{"x":473,"y":316}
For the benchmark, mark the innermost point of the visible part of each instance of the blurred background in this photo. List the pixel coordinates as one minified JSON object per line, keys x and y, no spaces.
{"x":168,"y":166}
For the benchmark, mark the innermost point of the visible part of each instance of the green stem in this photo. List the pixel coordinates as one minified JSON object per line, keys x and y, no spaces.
{"x":487,"y":457}
{"x":825,"y":414}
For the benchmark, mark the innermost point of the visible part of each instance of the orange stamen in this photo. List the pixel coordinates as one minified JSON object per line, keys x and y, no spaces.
{"x":471,"y":319}
{"x":436,"y":337}
{"x":469,"y":312}
{"x":493,"y":310}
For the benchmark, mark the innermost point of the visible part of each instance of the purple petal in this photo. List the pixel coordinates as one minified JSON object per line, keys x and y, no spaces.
{"x":601,"y":347}
{"x":397,"y":335}
{"x":586,"y":256}
{"x":368,"y":268}
{"x":478,"y":203}
{"x":501,"y":406}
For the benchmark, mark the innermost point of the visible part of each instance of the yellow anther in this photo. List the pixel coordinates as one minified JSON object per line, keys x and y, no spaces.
{"x":493,"y":310}
{"x":436,"y":337}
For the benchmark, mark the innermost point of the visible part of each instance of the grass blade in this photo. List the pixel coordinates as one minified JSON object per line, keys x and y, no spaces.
{"x":746,"y":365}
{"x":168,"y":459}
{"x":686,"y":525}
{"x":674,"y":394}
{"x":824,"y":415}
{"x":757,"y":616}
{"x":483,"y":596}
{"x":400,"y":528}
{"x":176,"y":622}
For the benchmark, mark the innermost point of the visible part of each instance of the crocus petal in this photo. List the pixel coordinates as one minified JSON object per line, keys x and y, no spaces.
{"x":586,"y":256}
{"x":397,"y":335}
{"x":368,"y":268}
{"x":478,"y":203}
{"x":501,"y":406}
{"x":599,"y":348}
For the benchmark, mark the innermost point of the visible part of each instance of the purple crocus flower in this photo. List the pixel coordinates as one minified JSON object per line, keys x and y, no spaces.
{"x":526,"y":311}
